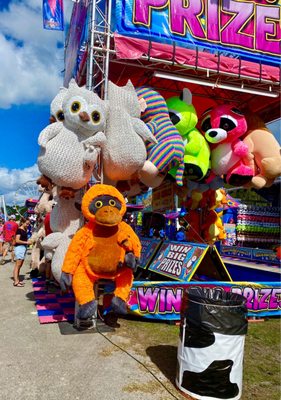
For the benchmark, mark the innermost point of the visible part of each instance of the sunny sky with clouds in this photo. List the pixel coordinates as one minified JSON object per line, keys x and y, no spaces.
{"x":31,"y":73}
{"x":32,"y":63}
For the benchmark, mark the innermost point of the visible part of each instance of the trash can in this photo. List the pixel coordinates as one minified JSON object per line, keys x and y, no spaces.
{"x":211,"y":347}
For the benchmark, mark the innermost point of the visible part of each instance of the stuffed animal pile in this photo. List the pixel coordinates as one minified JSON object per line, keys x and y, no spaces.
{"x":137,"y":140}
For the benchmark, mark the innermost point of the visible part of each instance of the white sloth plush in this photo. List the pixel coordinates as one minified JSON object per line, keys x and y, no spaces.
{"x":69,"y":150}
{"x":66,"y":218}
{"x":124,"y":152}
{"x":56,"y":111}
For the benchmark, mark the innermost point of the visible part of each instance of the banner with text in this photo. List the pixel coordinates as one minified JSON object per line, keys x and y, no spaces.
{"x":178,"y":260}
{"x":266,"y":256}
{"x":162,"y":300}
{"x":249,"y":28}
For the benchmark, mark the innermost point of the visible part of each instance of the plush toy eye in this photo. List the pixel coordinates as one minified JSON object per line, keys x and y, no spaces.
{"x":98,"y":204}
{"x":174,"y":117}
{"x":112,"y":203}
{"x":75,"y":106}
{"x":206,"y":124}
{"x":95,"y":117}
{"x":60,"y":115}
{"x":227,"y":124}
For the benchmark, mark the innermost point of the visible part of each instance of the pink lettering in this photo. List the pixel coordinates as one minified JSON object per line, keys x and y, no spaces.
{"x":268,"y":25}
{"x":231,"y":32}
{"x":143,"y":9}
{"x":173,"y":300}
{"x":275,"y":301}
{"x":148,"y":299}
{"x":213,"y":25}
{"x":256,"y":299}
{"x":162,"y":301}
{"x":185,"y":14}
{"x":264,"y":299}
{"x":249,"y":294}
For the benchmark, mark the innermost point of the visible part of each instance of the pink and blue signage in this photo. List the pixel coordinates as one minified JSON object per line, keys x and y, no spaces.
{"x":53,"y":15}
{"x":178,"y":260}
{"x":163,"y":300}
{"x":249,"y":29}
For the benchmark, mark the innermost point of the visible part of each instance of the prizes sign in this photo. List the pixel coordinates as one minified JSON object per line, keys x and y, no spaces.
{"x":178,"y":261}
{"x":249,"y":28}
{"x":163,"y":300}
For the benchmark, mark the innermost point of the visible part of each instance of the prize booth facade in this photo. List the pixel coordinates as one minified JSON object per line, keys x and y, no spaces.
{"x":223,"y":56}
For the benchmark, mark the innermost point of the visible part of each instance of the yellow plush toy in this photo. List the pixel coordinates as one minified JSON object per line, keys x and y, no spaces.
{"x":106,"y":247}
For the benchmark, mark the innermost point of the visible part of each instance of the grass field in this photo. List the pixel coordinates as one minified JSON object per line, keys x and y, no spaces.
{"x":159,"y":341}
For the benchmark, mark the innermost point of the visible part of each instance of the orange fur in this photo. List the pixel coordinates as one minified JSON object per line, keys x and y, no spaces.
{"x":98,"y":251}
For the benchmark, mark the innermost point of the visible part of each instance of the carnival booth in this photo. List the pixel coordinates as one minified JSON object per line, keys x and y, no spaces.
{"x":177,"y":97}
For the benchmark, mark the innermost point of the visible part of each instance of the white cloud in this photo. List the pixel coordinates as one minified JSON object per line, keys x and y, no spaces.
{"x":31,"y":62}
{"x":18,"y":184}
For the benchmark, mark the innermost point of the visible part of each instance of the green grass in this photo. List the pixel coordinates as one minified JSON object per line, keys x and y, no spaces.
{"x":159,"y":341}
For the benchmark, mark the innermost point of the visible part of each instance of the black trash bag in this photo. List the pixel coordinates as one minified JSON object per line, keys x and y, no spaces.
{"x":215,"y":310}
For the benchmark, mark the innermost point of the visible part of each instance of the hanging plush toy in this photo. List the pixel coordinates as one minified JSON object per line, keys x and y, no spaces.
{"x":197,"y":150}
{"x":223,"y":126}
{"x":265,"y":158}
{"x":69,"y":150}
{"x":56,"y":115}
{"x":66,"y":218}
{"x":169,"y":152}
{"x":124,"y":152}
{"x":106,"y":247}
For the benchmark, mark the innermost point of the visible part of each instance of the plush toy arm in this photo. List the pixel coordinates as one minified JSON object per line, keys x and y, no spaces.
{"x":65,"y":281}
{"x":52,"y":241}
{"x":143,"y":131}
{"x":74,"y":252}
{"x":129,"y":240}
{"x":99,"y":139}
{"x":240,"y":149}
{"x":131,"y":261}
{"x":92,"y":148}
{"x":49,"y":133}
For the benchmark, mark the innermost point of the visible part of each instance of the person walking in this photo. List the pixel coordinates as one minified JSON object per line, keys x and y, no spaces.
{"x":21,"y":244}
{"x":9,"y":232}
{"x":1,"y":236}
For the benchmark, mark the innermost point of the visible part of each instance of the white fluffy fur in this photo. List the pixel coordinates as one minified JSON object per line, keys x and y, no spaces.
{"x":69,"y":150}
{"x":65,"y":220}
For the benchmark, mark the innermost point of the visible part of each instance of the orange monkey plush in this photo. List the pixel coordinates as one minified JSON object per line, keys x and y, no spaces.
{"x":106,"y":247}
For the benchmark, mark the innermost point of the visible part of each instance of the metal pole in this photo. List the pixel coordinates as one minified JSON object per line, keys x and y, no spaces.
{"x":4,"y":208}
{"x":108,"y":31}
{"x":91,"y":33}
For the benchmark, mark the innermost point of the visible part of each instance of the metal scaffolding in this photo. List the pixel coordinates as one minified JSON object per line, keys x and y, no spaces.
{"x":99,"y":46}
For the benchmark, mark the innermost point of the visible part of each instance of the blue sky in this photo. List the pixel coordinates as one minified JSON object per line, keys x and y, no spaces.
{"x":30,"y":76}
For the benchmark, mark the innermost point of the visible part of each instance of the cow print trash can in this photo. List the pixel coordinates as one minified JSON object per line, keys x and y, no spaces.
{"x":211,"y":348}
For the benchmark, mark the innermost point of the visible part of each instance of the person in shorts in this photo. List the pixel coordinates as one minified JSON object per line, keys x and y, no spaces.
{"x":9,"y":232}
{"x":21,"y":244}
{"x":1,"y":236}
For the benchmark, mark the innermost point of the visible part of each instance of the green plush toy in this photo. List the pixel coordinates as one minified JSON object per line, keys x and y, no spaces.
{"x":197,"y":151}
